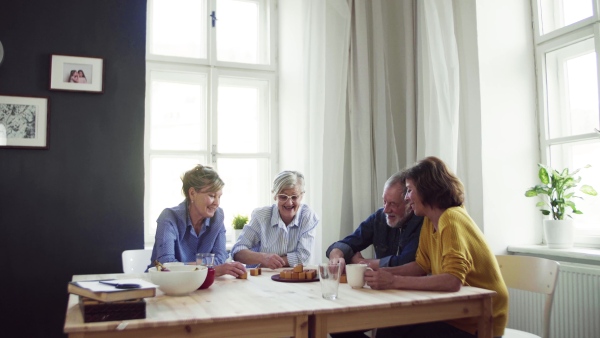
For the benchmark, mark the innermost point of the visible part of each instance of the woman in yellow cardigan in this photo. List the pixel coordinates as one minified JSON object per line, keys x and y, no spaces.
{"x":452,"y":252}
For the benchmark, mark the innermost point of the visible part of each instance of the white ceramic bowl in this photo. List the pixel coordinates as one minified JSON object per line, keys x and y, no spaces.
{"x":180,"y":280}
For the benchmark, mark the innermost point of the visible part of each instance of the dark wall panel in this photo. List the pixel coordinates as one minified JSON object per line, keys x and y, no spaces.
{"x":71,"y":209}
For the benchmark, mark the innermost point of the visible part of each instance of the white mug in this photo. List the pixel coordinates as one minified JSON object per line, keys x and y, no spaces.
{"x":355,"y":274}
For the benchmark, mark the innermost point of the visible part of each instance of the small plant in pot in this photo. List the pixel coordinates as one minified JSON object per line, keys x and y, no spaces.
{"x":558,"y":192}
{"x":238,"y":223}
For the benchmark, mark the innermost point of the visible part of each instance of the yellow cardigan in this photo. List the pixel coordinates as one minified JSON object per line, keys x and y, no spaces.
{"x":459,"y":248}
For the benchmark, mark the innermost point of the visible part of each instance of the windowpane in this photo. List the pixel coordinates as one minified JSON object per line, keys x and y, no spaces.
{"x":178,"y":106}
{"x":246,"y":186}
{"x":242,"y":31}
{"x":200,"y":110}
{"x":178,"y":28}
{"x":574,"y":156}
{"x":572,"y":86}
{"x":165,"y":184}
{"x":245,"y":102}
{"x":560,"y":13}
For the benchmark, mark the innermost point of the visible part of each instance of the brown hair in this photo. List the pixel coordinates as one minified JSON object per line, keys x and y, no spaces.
{"x":201,"y":177}
{"x":436,"y":184}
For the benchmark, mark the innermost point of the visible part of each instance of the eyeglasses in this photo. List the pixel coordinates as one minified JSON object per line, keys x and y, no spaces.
{"x":283,"y":198}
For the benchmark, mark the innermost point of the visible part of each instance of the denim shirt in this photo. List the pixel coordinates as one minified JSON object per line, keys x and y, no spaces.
{"x":177,"y":241}
{"x":393,"y":246}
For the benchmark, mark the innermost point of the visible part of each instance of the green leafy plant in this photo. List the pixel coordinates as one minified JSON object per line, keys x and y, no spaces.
{"x":557,"y":191}
{"x":239,"y":221}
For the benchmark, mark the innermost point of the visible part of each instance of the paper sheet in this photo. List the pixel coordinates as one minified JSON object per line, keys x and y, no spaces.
{"x":99,"y":287}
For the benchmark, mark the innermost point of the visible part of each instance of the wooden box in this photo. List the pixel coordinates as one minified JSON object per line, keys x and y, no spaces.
{"x":96,"y":311}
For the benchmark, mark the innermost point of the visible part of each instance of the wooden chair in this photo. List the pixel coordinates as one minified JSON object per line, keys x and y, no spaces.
{"x":135,"y":261}
{"x":531,"y":274}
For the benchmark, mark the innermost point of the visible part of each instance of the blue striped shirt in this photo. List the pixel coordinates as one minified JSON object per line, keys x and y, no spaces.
{"x":266,"y":232}
{"x":177,"y":241}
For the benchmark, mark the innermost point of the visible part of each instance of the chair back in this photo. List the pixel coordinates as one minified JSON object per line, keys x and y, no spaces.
{"x":531,"y":274}
{"x":135,"y":261}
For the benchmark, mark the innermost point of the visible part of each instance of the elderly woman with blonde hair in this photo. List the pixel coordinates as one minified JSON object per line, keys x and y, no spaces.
{"x":196,"y":224}
{"x":281,"y":234}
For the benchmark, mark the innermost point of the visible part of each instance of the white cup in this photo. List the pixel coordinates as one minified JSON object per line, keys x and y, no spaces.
{"x":355,"y":273}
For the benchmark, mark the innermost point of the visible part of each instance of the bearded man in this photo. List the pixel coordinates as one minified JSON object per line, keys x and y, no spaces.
{"x":393,"y":231}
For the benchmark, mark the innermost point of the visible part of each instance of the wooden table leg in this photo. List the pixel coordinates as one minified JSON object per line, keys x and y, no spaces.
{"x":301,"y":329}
{"x":485,"y":325}
{"x":318,"y":326}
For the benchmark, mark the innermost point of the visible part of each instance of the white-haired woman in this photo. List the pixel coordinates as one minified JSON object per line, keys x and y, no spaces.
{"x":281,"y":234}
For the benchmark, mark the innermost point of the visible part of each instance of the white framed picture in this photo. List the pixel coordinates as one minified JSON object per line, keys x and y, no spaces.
{"x":24,"y":122}
{"x":76,"y":73}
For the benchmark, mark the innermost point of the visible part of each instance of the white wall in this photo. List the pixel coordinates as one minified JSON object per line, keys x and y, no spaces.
{"x":509,"y":143}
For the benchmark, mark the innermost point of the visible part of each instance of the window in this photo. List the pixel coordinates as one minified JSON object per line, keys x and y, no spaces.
{"x":567,"y":43}
{"x":210,"y":99}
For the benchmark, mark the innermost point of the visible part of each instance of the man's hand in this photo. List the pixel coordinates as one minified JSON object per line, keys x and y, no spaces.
{"x":234,"y":269}
{"x":372,"y":263}
{"x":272,"y":261}
{"x":337,"y":256}
{"x":359,"y":259}
{"x":380,"y":279}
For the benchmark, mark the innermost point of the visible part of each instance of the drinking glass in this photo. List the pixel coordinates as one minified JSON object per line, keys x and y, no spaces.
{"x":208,"y":260}
{"x":329,"y":275}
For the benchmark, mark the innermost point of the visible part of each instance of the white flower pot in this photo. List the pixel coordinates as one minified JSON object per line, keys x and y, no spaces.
{"x":558,"y":233}
{"x":236,"y":234}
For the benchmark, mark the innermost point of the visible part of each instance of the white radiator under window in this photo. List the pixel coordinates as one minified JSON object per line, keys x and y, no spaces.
{"x":576,"y":309}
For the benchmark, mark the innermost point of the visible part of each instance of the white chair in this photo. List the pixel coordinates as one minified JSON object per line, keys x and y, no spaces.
{"x":531,"y":274}
{"x":135,"y":261}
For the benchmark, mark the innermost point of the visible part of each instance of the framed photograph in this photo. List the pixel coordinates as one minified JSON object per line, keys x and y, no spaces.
{"x":76,"y":73}
{"x":23,"y":122}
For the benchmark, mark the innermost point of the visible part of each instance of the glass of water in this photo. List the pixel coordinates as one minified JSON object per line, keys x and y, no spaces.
{"x":329,"y":275}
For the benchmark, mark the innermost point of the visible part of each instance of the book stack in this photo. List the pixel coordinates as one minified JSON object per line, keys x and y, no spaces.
{"x":99,"y":302}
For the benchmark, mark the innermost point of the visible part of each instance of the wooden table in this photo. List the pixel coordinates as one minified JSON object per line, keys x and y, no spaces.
{"x":260,"y":307}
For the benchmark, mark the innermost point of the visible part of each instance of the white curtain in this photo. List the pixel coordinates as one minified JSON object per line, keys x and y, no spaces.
{"x":347,"y":95}
{"x":438,"y":82}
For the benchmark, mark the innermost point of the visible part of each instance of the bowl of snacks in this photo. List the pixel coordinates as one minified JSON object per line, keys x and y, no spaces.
{"x":178,"y":280}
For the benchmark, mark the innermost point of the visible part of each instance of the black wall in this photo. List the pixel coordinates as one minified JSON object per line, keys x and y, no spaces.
{"x":71,"y":209}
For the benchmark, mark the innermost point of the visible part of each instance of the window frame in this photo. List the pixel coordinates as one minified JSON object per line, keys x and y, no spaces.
{"x":554,"y":41}
{"x":213,"y":68}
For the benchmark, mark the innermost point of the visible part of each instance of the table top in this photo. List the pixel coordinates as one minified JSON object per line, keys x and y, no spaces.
{"x":257,"y":297}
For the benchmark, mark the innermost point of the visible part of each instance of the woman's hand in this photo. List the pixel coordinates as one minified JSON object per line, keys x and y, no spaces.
{"x":272,"y":261}
{"x":234,"y":269}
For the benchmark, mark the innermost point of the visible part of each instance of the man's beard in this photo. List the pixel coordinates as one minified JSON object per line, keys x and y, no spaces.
{"x":408,"y":214}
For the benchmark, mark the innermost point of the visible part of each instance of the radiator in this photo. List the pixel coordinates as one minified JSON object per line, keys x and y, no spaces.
{"x":576,"y":309}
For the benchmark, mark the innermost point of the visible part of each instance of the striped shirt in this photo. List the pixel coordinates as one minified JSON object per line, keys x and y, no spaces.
{"x":177,"y":241}
{"x":266,"y":232}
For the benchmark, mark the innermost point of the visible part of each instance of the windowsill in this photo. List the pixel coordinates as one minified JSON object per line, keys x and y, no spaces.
{"x":575,"y":254}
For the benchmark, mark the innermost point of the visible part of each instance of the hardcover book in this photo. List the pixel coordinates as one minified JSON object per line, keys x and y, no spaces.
{"x":106,"y":293}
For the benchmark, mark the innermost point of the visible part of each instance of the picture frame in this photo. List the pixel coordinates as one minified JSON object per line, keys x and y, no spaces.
{"x":76,"y":73}
{"x":24,"y":122}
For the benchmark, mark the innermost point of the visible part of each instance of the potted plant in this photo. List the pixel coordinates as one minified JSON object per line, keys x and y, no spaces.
{"x":238,"y":223}
{"x":557,"y":192}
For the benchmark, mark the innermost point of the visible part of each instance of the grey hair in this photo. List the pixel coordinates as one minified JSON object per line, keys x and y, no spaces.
{"x":287,"y":179}
{"x":397,"y":178}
